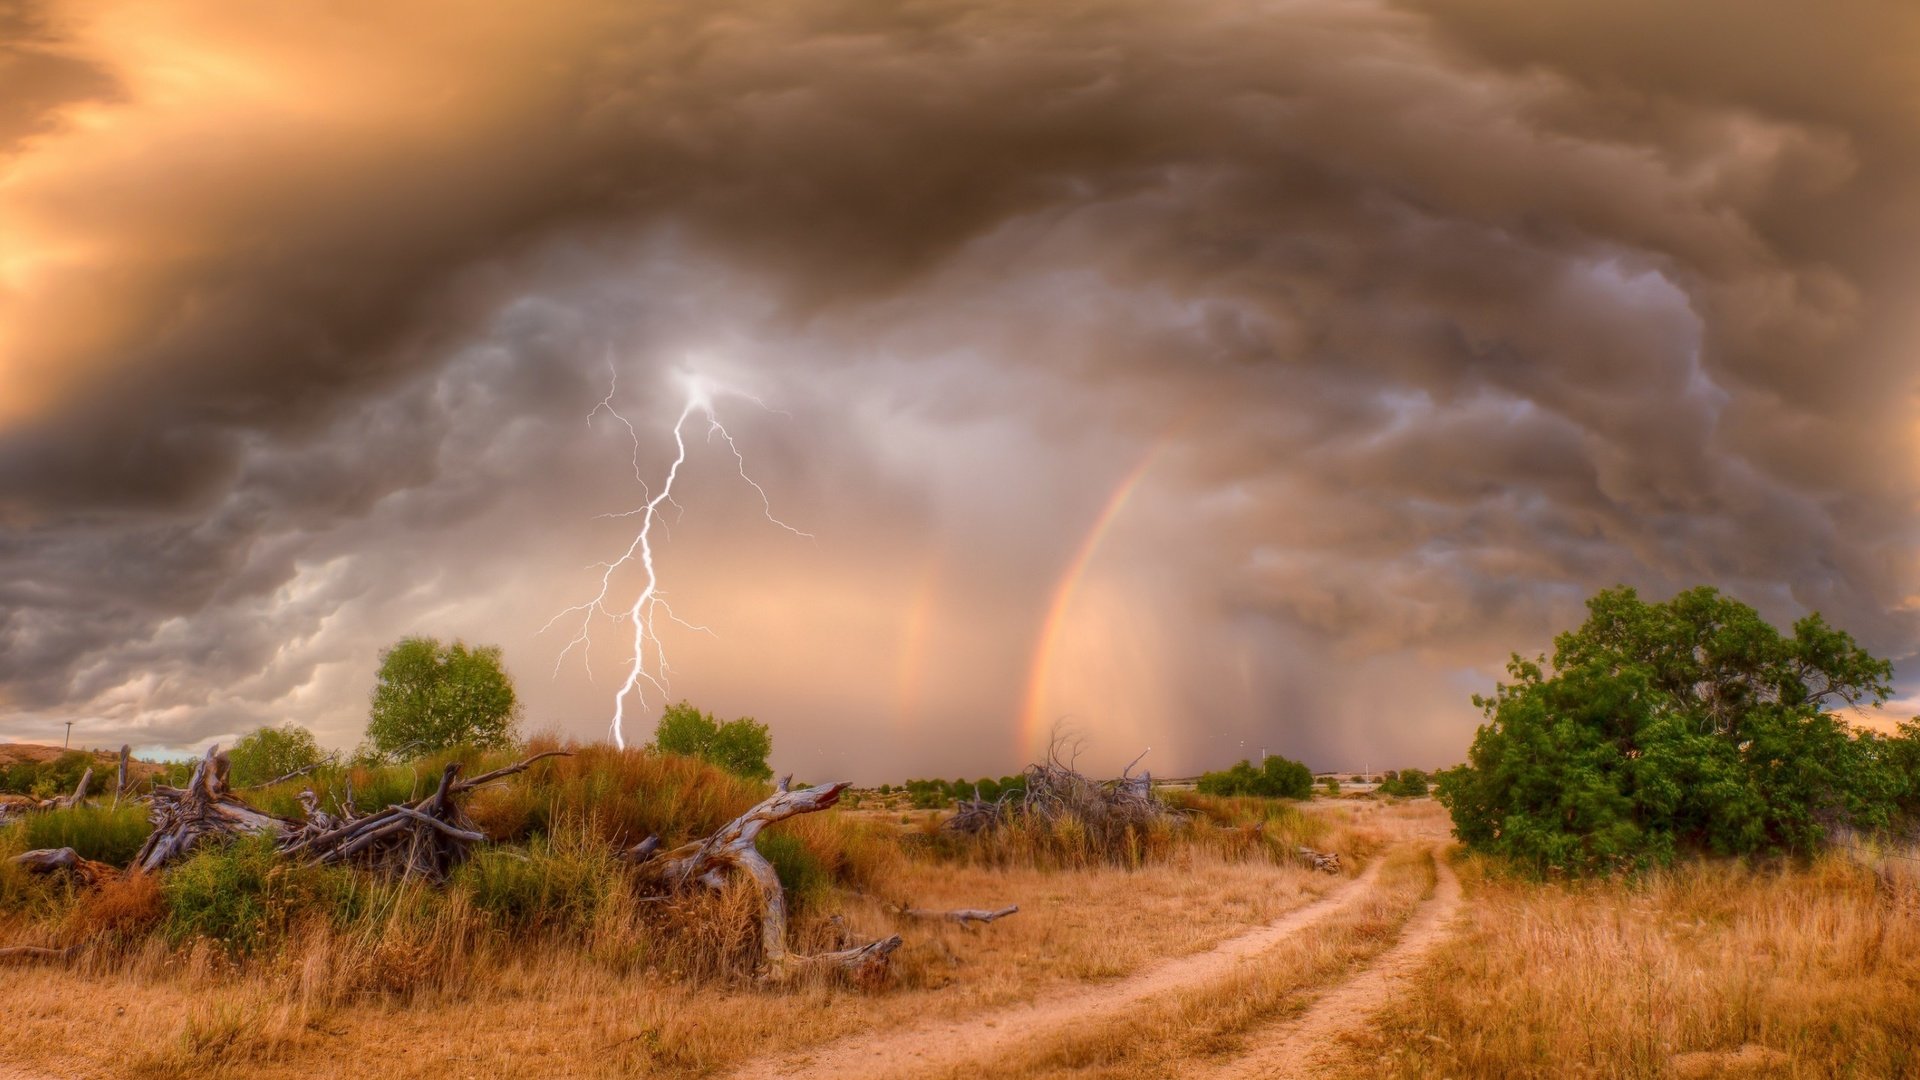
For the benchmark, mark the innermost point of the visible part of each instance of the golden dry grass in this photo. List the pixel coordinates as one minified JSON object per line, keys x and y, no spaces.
{"x":1710,"y":969}
{"x":318,"y":1009}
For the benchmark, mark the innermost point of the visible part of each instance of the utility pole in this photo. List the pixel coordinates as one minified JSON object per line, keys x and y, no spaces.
{"x":68,"y":741}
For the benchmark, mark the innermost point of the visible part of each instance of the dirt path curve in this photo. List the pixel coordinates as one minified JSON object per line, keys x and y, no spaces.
{"x":1307,"y":1044}
{"x":925,"y":1047}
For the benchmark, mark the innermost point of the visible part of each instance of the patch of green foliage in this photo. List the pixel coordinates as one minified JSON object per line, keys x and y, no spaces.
{"x":244,"y":895}
{"x":739,"y":746}
{"x":429,"y":697}
{"x":1407,"y":783}
{"x":107,"y":834}
{"x":270,"y":753}
{"x":1275,"y":778}
{"x":1687,"y":726}
{"x":806,"y":880}
{"x":558,"y":884}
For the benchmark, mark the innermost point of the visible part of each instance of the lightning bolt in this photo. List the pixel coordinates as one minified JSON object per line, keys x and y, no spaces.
{"x":649,"y":666}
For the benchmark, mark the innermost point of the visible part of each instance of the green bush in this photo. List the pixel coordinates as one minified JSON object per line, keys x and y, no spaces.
{"x":111,"y":835}
{"x":1691,"y":725}
{"x":1407,"y":783}
{"x":225,"y":892}
{"x":1275,"y":778}
{"x":739,"y":746}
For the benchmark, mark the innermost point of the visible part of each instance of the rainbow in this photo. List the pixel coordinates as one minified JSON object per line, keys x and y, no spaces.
{"x":1034,"y":722}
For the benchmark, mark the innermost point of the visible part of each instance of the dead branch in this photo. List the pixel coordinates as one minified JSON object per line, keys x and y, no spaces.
{"x":731,"y":848}
{"x":37,"y":952}
{"x":962,"y":916}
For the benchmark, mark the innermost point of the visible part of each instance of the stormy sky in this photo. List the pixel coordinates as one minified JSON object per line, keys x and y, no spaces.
{"x":1207,"y":376}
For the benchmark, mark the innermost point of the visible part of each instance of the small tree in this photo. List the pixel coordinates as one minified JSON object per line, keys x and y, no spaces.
{"x":430,"y":696}
{"x":269,"y":753}
{"x":740,"y":746}
{"x":1691,"y":725}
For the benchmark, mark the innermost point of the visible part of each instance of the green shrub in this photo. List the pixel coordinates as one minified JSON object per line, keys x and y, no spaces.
{"x":553,"y":886}
{"x":806,"y":879}
{"x":111,"y":835}
{"x":244,"y":895}
{"x":1407,"y":783}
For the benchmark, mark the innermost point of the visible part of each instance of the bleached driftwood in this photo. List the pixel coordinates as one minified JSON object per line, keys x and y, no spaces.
{"x":706,"y":862}
{"x":963,"y":916}
{"x":183,"y":817}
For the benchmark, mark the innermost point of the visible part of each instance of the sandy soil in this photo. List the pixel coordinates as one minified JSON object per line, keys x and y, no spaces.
{"x":939,"y":1044}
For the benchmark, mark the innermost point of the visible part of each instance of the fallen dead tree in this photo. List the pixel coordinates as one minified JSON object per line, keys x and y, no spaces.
{"x":426,"y":839}
{"x":706,"y":863}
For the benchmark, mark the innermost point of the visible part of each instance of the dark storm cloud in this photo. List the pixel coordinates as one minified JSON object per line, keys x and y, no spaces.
{"x":1454,"y":312}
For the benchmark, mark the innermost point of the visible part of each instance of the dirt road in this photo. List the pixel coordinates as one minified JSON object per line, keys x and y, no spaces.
{"x":926,"y":1047}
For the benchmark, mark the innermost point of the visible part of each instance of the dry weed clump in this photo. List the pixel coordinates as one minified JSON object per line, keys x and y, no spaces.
{"x":1717,"y":966}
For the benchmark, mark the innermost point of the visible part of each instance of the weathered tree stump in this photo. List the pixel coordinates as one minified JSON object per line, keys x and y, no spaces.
{"x":183,"y":817}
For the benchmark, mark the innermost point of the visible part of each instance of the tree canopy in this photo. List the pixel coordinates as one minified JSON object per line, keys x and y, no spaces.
{"x":270,"y":753}
{"x":1275,"y":778}
{"x":739,"y":746}
{"x":1690,"y":725}
{"x":428,"y":696}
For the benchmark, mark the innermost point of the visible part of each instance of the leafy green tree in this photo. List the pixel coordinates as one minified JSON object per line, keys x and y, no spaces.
{"x":739,"y":746}
{"x":271,"y":752}
{"x":1692,"y":725}
{"x":1331,"y":783}
{"x":430,"y":696}
{"x":1275,"y":778}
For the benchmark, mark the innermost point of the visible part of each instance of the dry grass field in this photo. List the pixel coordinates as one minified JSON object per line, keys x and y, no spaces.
{"x":1208,"y":956}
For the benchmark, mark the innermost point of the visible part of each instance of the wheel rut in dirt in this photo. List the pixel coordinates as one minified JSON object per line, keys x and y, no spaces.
{"x":1307,"y":1044}
{"x":929,"y":1047}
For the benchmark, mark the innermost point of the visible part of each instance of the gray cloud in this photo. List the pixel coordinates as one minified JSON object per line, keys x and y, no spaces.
{"x":1440,"y":317}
